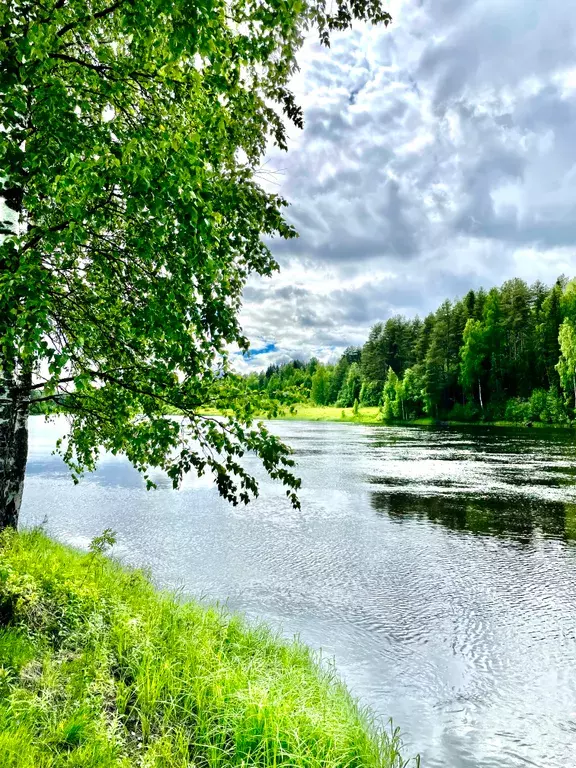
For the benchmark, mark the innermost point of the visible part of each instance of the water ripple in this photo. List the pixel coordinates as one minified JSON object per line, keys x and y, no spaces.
{"x":437,"y":566}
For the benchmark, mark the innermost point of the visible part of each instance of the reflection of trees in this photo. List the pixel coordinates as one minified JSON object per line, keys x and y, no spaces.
{"x":482,"y":440}
{"x":516,"y":517}
{"x":570,"y":521}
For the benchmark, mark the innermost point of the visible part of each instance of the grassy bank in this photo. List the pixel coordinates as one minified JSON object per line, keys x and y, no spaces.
{"x":373,"y":415}
{"x":305,"y":412}
{"x":97,"y":669}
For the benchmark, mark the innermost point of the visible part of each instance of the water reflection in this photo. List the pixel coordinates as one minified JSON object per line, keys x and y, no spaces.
{"x":519,"y":518}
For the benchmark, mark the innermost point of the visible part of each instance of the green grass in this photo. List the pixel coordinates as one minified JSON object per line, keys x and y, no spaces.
{"x":305,"y":412}
{"x":366,"y":415}
{"x":98,"y":669}
{"x":373,"y":415}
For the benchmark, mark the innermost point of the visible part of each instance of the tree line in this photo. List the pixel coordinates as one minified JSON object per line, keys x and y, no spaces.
{"x":504,"y":354}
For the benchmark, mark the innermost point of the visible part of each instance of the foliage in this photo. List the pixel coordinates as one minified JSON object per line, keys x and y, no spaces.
{"x":472,"y":357}
{"x":101,"y":671}
{"x":390,"y":400}
{"x":389,"y":344}
{"x":518,"y":410}
{"x":504,"y":354}
{"x":473,"y":353}
{"x":554,"y":411}
{"x":537,"y":404}
{"x":102,"y":543}
{"x":132,"y":138}
{"x":350,"y":390}
{"x":338,"y":378}
{"x":413,"y":391}
{"x":289,"y":383}
{"x":320,"y":389}
{"x":566,"y":366}
{"x":370,"y":393}
{"x":466,"y":412}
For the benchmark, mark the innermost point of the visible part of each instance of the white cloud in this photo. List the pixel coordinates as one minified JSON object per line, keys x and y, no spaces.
{"x":438,"y":155}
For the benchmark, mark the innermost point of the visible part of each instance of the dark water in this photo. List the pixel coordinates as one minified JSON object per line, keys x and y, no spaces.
{"x":438,"y":567}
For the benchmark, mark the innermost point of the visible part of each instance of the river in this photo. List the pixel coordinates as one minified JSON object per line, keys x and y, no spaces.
{"x":438,"y":568}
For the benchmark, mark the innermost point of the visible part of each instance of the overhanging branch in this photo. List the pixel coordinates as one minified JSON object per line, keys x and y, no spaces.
{"x":88,"y":18}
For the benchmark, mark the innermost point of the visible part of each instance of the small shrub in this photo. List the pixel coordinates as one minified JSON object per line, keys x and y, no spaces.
{"x":101,"y":544}
{"x":495,"y":410}
{"x":538,"y":405}
{"x":518,"y":410}
{"x":555,"y":407}
{"x":388,"y":409}
{"x":468,"y":412}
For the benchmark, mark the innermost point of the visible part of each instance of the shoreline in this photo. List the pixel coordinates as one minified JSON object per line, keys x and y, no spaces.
{"x":370,"y":415}
{"x":129,"y":675}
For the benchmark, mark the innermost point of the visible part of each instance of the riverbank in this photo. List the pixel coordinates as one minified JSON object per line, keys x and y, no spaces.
{"x":373,"y":415}
{"x":99,"y":670}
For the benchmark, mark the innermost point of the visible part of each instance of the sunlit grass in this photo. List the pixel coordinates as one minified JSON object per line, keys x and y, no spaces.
{"x":373,"y":415}
{"x":99,"y":669}
{"x":306,"y":412}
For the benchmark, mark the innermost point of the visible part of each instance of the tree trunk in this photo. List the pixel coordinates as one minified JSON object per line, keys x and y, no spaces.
{"x":480,"y":394}
{"x":15,"y":378}
{"x":14,"y":406}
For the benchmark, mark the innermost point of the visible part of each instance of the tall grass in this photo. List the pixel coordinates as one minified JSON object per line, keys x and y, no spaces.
{"x":99,"y":669}
{"x":309,"y":412}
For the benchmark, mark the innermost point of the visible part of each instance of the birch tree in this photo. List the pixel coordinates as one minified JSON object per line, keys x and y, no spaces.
{"x":472,"y":358}
{"x":567,"y":364}
{"x":131,"y":133}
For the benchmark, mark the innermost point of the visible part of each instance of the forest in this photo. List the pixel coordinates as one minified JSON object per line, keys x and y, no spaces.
{"x":507,"y":354}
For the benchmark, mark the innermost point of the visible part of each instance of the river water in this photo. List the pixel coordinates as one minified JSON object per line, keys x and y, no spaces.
{"x":438,"y":568}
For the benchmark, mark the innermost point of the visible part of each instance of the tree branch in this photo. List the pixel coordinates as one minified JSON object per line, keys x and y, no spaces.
{"x":99,"y":15}
{"x":100,"y":68}
{"x":34,"y":400}
{"x":67,"y":380}
{"x":36,"y":239}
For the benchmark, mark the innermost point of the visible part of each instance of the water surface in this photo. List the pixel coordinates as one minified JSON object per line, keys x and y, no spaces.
{"x":438,"y":567}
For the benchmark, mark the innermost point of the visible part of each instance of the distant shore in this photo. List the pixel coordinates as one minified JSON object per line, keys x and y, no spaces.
{"x":373,"y":415}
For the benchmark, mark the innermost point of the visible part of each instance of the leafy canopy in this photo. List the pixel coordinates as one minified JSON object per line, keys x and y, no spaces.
{"x":132,"y":133}
{"x":567,"y":363}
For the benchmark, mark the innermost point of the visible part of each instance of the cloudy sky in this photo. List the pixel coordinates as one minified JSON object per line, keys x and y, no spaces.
{"x":438,"y":155}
